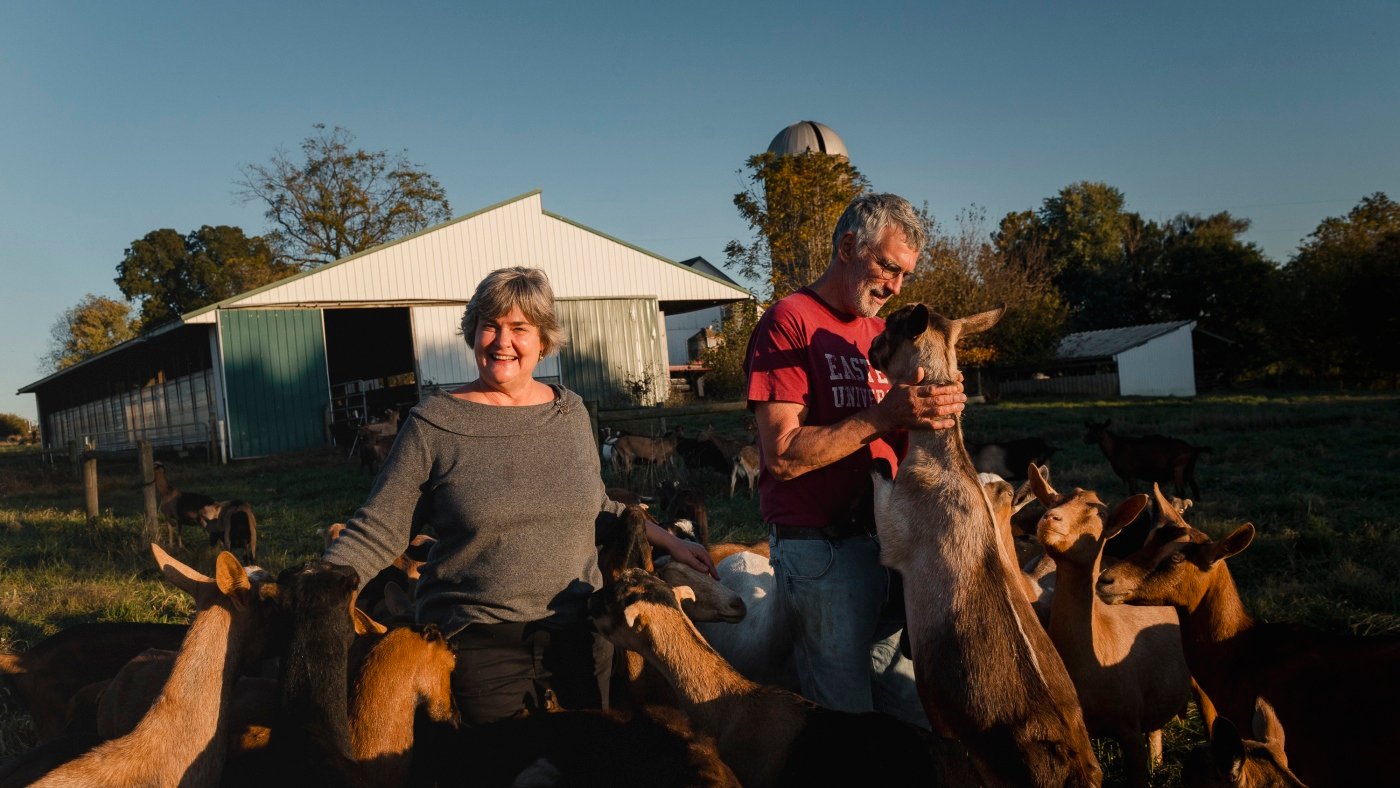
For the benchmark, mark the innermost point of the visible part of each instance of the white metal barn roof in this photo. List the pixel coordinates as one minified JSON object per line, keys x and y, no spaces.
{"x":1109,"y":342}
{"x":444,"y":263}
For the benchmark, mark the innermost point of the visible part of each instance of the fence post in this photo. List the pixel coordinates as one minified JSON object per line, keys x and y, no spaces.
{"x":75,"y":457}
{"x":90,"y":485}
{"x":148,"y":491}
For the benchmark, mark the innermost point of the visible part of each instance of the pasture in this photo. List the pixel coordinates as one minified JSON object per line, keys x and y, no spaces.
{"x":1314,"y":472}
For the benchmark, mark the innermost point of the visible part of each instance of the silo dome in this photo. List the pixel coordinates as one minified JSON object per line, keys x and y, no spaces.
{"x":807,"y":135}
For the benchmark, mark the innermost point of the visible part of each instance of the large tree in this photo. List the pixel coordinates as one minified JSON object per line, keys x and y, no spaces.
{"x":962,"y":272}
{"x":336,"y":201}
{"x":10,"y":424}
{"x":1333,"y":315}
{"x":792,"y":204}
{"x":95,"y":324}
{"x":170,"y":274}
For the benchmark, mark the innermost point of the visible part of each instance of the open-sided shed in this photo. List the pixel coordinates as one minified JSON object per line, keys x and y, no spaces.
{"x":288,"y":365}
{"x":1150,"y":360}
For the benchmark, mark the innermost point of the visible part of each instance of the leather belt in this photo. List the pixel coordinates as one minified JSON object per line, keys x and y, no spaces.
{"x":799,"y":532}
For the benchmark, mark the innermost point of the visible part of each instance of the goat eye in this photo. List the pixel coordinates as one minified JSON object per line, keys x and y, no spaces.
{"x":1177,"y":558}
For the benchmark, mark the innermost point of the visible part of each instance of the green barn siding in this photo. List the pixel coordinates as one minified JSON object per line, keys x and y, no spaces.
{"x":612,"y":341}
{"x":275,"y":378}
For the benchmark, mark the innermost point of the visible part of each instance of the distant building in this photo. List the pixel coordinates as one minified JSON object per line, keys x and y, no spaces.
{"x":289,"y":365}
{"x":682,"y":329}
{"x":808,"y":136}
{"x":1152,"y":360}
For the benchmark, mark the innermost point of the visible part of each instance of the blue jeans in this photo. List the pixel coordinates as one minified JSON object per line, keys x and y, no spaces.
{"x":845,"y":636}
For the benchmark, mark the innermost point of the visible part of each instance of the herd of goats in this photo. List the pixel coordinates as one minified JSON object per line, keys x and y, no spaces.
{"x":1031,"y":630}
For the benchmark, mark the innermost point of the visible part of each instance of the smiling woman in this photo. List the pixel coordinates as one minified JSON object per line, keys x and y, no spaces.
{"x":513,"y":568}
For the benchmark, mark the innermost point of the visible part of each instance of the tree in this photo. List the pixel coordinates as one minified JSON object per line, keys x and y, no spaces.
{"x":962,"y":272}
{"x":726,"y":359}
{"x":95,"y":324}
{"x":792,"y":204}
{"x":1335,"y":285}
{"x":10,"y":424}
{"x":340,"y":201}
{"x":170,"y":274}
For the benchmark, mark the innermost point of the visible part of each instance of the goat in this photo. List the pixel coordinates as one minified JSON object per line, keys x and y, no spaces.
{"x":760,"y":646}
{"x":986,"y":674}
{"x":701,"y":455}
{"x":1008,"y":459}
{"x":1151,"y":458}
{"x":721,"y":551}
{"x":657,"y":451}
{"x":402,"y":572}
{"x":607,"y":448}
{"x":178,"y":508}
{"x":1005,"y":501}
{"x":180,"y":741}
{"x":47,"y":676}
{"x":1228,"y":760}
{"x":231,"y":524}
{"x":405,"y":669}
{"x":746,"y":462}
{"x":727,"y":446}
{"x":679,"y":501}
{"x":374,"y":449}
{"x":1335,"y":693}
{"x":802,"y":743}
{"x":1127,"y":663}
{"x":387,"y":427}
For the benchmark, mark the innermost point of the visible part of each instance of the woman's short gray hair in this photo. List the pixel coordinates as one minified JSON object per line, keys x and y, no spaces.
{"x":869,"y":214}
{"x":505,"y":288}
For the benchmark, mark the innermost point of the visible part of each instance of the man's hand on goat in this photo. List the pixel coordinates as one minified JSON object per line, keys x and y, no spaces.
{"x":918,"y":406}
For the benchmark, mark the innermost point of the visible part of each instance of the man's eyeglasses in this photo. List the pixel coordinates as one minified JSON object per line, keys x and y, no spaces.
{"x":887,"y":270}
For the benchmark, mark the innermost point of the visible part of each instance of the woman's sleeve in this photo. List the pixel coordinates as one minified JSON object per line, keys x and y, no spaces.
{"x":380,"y":530}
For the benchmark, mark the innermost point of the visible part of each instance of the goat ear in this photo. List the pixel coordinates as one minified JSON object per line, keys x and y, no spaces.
{"x":976,"y":324}
{"x":1226,"y":748}
{"x":231,"y":578}
{"x":631,"y":615}
{"x":1234,"y":544}
{"x":1126,"y":512}
{"x":1267,"y":728}
{"x":1040,"y":486}
{"x":683,"y":593}
{"x":365,"y":624}
{"x":1165,"y":511}
{"x":179,"y":575}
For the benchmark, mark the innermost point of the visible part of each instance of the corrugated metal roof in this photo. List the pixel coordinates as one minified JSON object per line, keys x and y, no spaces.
{"x":1109,"y":342}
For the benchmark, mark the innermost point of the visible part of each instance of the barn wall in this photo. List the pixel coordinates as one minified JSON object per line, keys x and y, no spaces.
{"x":613,"y":342}
{"x":1162,"y":367}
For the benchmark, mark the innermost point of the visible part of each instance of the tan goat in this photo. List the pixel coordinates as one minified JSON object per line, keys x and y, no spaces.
{"x":1336,"y":693}
{"x":180,"y":741}
{"x":1126,"y":662}
{"x":657,"y":451}
{"x":768,"y":736}
{"x":1231,"y":761}
{"x":1009,"y":699}
{"x":745,"y":462}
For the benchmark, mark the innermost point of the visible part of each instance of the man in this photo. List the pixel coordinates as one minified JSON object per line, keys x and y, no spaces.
{"x":823,"y":413}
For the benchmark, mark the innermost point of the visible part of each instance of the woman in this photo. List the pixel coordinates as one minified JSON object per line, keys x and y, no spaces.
{"x":505,"y":470}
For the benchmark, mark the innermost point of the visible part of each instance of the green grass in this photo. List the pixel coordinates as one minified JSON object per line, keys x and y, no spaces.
{"x":1314,"y":472}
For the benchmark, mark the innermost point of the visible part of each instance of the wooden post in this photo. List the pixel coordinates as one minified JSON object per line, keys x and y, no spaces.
{"x":148,"y":491}
{"x":90,"y":485}
{"x":75,"y":457}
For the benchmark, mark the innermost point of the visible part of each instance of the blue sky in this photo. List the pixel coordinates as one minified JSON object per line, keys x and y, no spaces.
{"x":121,"y":118}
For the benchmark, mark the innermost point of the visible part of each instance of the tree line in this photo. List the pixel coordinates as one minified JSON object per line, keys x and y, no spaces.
{"x":1083,"y":261}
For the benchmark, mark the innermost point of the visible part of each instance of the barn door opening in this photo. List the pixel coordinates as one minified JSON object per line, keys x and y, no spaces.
{"x":369,"y":358}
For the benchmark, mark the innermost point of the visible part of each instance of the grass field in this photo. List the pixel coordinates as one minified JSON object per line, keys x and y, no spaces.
{"x":1314,"y":472}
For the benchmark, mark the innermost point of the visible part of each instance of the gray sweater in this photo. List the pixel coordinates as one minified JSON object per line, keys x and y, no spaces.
{"x":512,"y":494}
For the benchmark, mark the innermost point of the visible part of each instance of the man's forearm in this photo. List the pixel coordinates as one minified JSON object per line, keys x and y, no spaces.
{"x":806,"y":448}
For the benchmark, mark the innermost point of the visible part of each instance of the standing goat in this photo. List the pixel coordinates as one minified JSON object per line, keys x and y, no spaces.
{"x":1335,"y":693}
{"x":657,"y":451}
{"x":232,"y":524}
{"x":1149,"y":458}
{"x":987,"y":673}
{"x":178,"y":508}
{"x":1126,"y":662}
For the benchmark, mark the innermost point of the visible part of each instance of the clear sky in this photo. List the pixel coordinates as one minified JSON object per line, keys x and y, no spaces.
{"x":117,"y":119}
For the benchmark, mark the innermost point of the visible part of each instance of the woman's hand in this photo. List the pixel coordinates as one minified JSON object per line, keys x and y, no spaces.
{"x":687,"y":552}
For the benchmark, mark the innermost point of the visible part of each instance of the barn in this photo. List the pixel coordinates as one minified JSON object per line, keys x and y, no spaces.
{"x":291,"y":365}
{"x":1150,"y":360}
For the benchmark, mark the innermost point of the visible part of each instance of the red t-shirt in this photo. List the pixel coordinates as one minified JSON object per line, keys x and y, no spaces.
{"x":804,"y":351}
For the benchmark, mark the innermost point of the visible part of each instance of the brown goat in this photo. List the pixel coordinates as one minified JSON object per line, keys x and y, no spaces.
{"x":406,"y":669}
{"x":1009,"y":699}
{"x":232,"y":524}
{"x":176,"y":507}
{"x":181,"y":741}
{"x":1150,"y":458}
{"x":801,"y":743}
{"x":1336,"y":693}
{"x":681,"y":501}
{"x":657,"y":451}
{"x":745,"y":462}
{"x":47,"y":676}
{"x":1230,"y":761}
{"x":1126,"y":662}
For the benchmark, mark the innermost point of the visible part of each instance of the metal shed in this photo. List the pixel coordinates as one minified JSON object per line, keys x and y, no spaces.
{"x":290,"y":365}
{"x":1150,"y":360}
